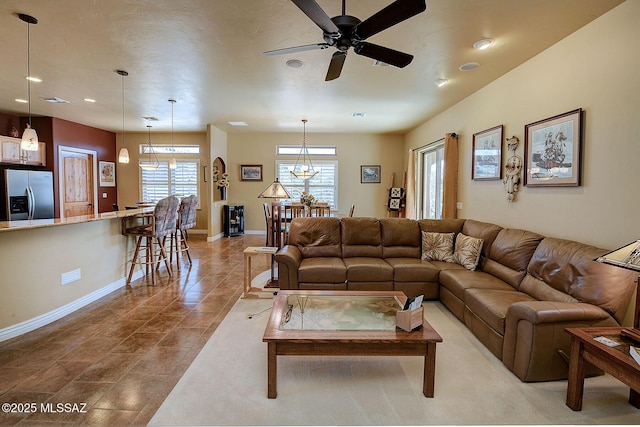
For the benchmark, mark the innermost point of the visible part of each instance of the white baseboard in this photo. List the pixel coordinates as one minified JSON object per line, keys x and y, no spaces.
{"x":44,"y":319}
{"x":216,"y":237}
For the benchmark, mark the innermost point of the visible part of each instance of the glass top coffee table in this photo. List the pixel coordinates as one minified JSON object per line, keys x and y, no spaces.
{"x":345,"y":323}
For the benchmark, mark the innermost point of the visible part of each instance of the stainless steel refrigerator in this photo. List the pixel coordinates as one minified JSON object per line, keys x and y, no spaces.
{"x":29,"y":194}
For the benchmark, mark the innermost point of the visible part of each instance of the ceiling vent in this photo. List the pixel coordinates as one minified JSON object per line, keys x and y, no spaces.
{"x":56,"y":100}
{"x":151,"y":118}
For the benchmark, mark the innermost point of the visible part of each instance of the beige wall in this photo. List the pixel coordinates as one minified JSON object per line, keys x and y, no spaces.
{"x":217,"y":140}
{"x":353,"y":150}
{"x":128,"y":175}
{"x":594,"y":69}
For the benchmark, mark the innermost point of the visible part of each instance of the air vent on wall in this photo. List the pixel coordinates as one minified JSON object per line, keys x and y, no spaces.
{"x":56,"y":100}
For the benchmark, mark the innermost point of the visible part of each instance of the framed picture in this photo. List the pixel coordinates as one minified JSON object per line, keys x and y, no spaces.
{"x":107,"y":174}
{"x":370,"y":174}
{"x":250,"y":172}
{"x":552,"y":151}
{"x":486,"y":163}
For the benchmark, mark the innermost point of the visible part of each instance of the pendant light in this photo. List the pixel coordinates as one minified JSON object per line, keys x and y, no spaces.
{"x":29,"y":137}
{"x":304,"y":168}
{"x":172,"y":163}
{"x":123,"y":156}
{"x":151,"y":163}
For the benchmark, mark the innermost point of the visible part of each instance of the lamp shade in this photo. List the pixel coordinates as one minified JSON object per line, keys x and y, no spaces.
{"x":275,"y":190}
{"x":30,"y":139}
{"x":123,"y":156}
{"x":627,"y":256}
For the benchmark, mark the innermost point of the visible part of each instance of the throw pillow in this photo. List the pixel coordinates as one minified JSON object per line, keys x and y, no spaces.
{"x":437,"y":246}
{"x":467,"y":251}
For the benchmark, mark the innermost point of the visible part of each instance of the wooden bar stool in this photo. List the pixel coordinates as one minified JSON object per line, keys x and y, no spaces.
{"x":186,"y":220}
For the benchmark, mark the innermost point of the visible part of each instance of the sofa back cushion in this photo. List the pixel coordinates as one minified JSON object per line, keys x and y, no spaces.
{"x":441,"y":225}
{"x":481,"y":230}
{"x":510,"y":254}
{"x":568,"y":268}
{"x":400,"y":238}
{"x":316,"y":237}
{"x":361,"y":237}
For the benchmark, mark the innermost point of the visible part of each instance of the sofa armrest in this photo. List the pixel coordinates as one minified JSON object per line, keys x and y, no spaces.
{"x":535,"y":346}
{"x":288,"y":258}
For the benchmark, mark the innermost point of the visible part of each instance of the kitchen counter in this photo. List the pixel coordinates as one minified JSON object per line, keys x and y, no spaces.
{"x":41,"y":223}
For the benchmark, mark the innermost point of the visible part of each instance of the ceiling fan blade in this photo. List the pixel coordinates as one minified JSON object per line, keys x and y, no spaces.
{"x":296,"y":49}
{"x":335,"y":66}
{"x":391,"y":15}
{"x":384,"y":54}
{"x":318,"y":16}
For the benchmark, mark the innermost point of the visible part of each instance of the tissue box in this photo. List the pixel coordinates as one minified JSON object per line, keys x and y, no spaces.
{"x":409,"y":320}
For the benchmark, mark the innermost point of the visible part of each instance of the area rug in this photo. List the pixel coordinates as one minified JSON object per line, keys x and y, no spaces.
{"x":227,"y":385}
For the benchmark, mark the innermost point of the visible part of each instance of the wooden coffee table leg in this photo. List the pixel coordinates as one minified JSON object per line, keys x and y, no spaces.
{"x":272,"y":370}
{"x":428,"y":382}
{"x":575,"y":385}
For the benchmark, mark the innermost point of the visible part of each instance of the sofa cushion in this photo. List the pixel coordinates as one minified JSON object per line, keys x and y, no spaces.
{"x":413,"y":270}
{"x":361,"y":237}
{"x":365,"y":269}
{"x":449,"y":225}
{"x":491,"y":305}
{"x":510,"y":254}
{"x":569,"y":268}
{"x":457,"y":281}
{"x":400,"y":238}
{"x":482,"y":230}
{"x":322,"y":270}
{"x":316,"y":237}
{"x":437,"y":246}
{"x":467,"y":251}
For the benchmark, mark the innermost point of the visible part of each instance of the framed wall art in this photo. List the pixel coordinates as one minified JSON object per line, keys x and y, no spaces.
{"x":486,"y":163}
{"x":107,"y":174}
{"x":552,"y":150}
{"x":250,"y":172}
{"x":370,"y":174}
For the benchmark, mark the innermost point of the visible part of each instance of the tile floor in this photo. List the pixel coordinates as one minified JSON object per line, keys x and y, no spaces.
{"x":122,"y":355}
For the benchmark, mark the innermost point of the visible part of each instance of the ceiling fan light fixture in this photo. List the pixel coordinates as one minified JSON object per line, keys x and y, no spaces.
{"x":483,"y":44}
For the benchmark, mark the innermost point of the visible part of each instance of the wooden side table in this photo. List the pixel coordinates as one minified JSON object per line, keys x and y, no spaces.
{"x":615,"y":361}
{"x":250,"y":252}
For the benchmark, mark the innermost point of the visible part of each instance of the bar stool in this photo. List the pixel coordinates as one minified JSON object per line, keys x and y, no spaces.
{"x":158,"y":225}
{"x":186,"y":220}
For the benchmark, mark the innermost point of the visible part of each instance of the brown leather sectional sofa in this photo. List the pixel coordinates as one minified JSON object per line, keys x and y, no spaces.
{"x":525,"y":290}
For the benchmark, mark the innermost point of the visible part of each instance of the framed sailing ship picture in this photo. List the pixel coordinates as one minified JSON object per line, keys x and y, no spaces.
{"x":487,"y":154}
{"x":552,"y":151}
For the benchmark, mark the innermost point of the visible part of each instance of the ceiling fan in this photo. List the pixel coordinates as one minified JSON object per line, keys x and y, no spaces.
{"x":345,"y":31}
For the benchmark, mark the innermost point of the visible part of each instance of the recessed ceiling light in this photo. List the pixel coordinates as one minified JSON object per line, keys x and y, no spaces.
{"x":441,"y":82}
{"x":295,"y":63}
{"x":238,"y":123}
{"x":469,"y":66}
{"x":22,"y":101}
{"x":483,"y":44}
{"x":34,"y":79}
{"x":89,"y":100}
{"x":361,"y":115}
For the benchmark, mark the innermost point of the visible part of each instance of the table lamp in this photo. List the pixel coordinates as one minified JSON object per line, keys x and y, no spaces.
{"x":628,"y":257}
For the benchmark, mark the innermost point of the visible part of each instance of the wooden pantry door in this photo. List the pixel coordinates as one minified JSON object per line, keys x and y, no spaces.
{"x":77,"y":187}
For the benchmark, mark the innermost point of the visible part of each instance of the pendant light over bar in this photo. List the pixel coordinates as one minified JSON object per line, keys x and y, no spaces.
{"x":304,"y":167}
{"x":29,"y":137}
{"x":123,"y":156}
{"x":172,"y":163}
{"x":151,"y":162}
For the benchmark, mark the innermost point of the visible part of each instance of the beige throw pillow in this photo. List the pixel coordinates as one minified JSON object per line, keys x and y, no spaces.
{"x":437,"y":246}
{"x":467,"y":251}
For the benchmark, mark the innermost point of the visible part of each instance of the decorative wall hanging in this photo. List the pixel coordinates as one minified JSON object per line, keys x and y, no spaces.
{"x":250,"y":172}
{"x":370,"y":174}
{"x":513,"y":169}
{"x":107,"y":174}
{"x":396,"y":198}
{"x":486,"y":163}
{"x":552,"y":151}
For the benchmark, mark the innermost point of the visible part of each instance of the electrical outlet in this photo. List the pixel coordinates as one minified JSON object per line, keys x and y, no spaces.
{"x":70,"y":276}
{"x":459,"y":205}
{"x":104,"y":195}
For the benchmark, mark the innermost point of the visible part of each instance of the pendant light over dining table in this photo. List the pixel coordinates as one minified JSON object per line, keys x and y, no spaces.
{"x":123,"y":155}
{"x":172,"y":163}
{"x":303,"y":168}
{"x":29,"y":137}
{"x":150,"y":162}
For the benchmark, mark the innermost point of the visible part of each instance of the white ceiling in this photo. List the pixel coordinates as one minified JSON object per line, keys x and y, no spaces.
{"x":207,"y":54}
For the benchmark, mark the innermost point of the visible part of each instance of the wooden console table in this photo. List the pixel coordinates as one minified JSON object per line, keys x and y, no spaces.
{"x":615,"y":361}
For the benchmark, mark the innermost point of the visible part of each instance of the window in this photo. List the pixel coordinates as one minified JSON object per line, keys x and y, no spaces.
{"x":324,"y":185}
{"x":167,"y":149}
{"x":313,"y":150}
{"x":162,"y":182}
{"x":430,"y":180}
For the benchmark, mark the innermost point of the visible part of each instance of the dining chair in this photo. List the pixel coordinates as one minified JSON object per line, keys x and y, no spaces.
{"x":320,"y":209}
{"x":290,"y":211}
{"x":156,"y":226}
{"x":269,"y":221}
{"x":186,"y":220}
